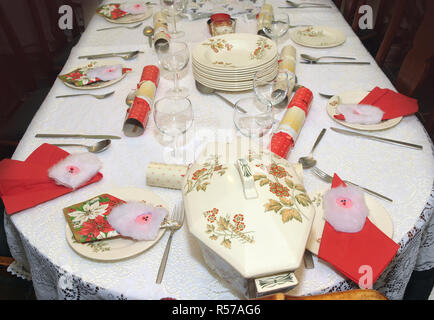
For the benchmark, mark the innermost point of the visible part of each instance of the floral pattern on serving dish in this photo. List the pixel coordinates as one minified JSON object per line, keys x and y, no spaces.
{"x":200,"y":179}
{"x":289,"y":196}
{"x":224,"y":64}
{"x":218,"y":44}
{"x":227,"y":228}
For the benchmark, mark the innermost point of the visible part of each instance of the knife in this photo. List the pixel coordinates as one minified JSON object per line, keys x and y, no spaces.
{"x":352,"y":133}
{"x":88,"y":136}
{"x":335,"y":62}
{"x":102,"y":55}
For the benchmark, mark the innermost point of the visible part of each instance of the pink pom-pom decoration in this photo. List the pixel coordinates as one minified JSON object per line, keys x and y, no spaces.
{"x":133,"y":8}
{"x":75,"y":170}
{"x":345,"y":208}
{"x":360,"y":113}
{"x":137,"y":220}
{"x":105,"y":73}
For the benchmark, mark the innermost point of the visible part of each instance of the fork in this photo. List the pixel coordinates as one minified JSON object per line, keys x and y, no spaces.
{"x":178,"y":219}
{"x":131,"y":27}
{"x":97,"y":96}
{"x":327,"y":178}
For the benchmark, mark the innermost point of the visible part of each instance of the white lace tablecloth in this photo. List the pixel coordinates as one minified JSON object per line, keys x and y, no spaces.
{"x":37,"y":236}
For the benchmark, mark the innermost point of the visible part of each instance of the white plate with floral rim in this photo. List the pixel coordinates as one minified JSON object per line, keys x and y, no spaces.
{"x":318,"y":37}
{"x":119,"y":248}
{"x":235,"y":78}
{"x":131,"y":18}
{"x":97,"y":85}
{"x":377,"y":215}
{"x":241,"y":50}
{"x":223,"y":68}
{"x":354,"y":97}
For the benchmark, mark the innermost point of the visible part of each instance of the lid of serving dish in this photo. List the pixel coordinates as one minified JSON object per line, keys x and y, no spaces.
{"x":250,"y":207}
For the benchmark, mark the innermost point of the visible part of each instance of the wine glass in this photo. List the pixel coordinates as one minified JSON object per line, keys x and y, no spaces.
{"x":174,"y":58}
{"x":272,"y":88}
{"x":252,"y":117}
{"x":277,"y":26}
{"x":173,"y":116}
{"x":173,"y":8}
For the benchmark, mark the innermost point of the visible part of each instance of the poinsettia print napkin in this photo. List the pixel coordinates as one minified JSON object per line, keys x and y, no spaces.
{"x":88,"y":219}
{"x":90,"y":74}
{"x":115,"y":10}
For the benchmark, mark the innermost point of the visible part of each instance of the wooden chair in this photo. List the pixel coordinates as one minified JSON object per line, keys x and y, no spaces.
{"x":357,"y":294}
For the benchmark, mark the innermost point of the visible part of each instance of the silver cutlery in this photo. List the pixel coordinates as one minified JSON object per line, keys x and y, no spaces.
{"x":178,"y":217}
{"x":305,"y":7}
{"x":327,"y":178}
{"x":328,"y":96}
{"x":314,"y":59}
{"x":298,"y":5}
{"x":299,"y":26}
{"x":206,"y":90}
{"x":124,"y":55}
{"x":118,"y":27}
{"x":335,"y":62}
{"x":97,"y":96}
{"x":149,"y":32}
{"x":83,"y":136}
{"x":100,"y":146}
{"x":352,"y":133}
{"x":308,"y":161}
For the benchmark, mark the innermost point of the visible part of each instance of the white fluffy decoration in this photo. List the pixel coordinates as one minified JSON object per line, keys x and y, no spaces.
{"x":361,"y":113}
{"x":105,"y":73}
{"x":126,"y":220}
{"x":350,"y":218}
{"x":133,"y":8}
{"x":75,"y":170}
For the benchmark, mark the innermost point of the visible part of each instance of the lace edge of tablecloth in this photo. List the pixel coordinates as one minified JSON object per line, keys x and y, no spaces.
{"x":18,"y":270}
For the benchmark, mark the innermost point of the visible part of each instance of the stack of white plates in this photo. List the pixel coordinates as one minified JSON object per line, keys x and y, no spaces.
{"x":229,"y":62}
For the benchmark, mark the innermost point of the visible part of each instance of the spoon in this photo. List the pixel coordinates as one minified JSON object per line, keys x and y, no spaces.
{"x":130,"y":98}
{"x":149,"y":32}
{"x":132,"y":27}
{"x":98,"y":147}
{"x":308,"y":161}
{"x":206,"y":90}
{"x":97,"y":96}
{"x":310,"y":58}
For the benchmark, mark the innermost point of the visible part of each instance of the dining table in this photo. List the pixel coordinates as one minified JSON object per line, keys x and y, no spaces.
{"x":36,"y":236}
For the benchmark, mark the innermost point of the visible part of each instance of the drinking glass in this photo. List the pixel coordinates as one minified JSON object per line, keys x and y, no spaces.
{"x":173,"y":116}
{"x":174,"y":58}
{"x":272,"y":89}
{"x":172,"y":8}
{"x":277,"y":27}
{"x":256,"y":121}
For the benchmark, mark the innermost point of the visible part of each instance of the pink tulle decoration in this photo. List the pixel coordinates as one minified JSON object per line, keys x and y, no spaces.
{"x":345,"y":208}
{"x":105,"y":73}
{"x":361,"y":113}
{"x":137,"y":220}
{"x":133,"y":8}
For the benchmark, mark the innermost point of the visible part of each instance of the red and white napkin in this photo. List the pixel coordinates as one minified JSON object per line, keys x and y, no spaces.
{"x":393,"y":104}
{"x":138,"y":114}
{"x":115,"y":10}
{"x":25,"y":184}
{"x":355,"y":254}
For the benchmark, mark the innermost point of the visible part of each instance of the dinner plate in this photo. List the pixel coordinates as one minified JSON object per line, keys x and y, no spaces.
{"x":232,"y":84}
{"x":318,"y":37}
{"x":377,"y":215}
{"x":223,"y":74}
{"x":354,"y":97}
{"x":101,"y":84}
{"x":235,"y":77}
{"x":131,"y":18}
{"x":236,"y":51}
{"x":118,"y":248}
{"x":221,"y":68}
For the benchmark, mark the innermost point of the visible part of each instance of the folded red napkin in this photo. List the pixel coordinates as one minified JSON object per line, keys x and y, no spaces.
{"x":392,"y":103}
{"x":26,"y":184}
{"x":361,"y":256}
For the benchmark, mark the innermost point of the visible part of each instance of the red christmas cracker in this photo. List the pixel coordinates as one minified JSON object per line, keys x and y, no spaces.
{"x":138,"y":114}
{"x":283,"y":141}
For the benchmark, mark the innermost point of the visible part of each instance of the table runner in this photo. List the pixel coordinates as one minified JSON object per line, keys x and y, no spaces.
{"x":37,"y":236}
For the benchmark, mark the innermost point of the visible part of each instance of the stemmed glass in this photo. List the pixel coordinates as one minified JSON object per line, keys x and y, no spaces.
{"x":256,"y":121}
{"x":277,"y":27}
{"x":173,"y":8}
{"x":173,"y":116}
{"x":273,"y":90}
{"x":174,"y":58}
